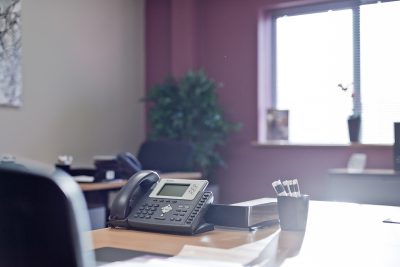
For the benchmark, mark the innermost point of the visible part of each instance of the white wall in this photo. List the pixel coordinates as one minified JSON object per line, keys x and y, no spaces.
{"x":83,"y":76}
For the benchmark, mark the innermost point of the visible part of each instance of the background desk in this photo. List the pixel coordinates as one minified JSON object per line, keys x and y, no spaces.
{"x":338,"y":234}
{"x":371,"y":186}
{"x":117,"y":184}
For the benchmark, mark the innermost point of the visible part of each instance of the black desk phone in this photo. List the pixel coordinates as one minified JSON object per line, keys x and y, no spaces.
{"x":149,"y":203}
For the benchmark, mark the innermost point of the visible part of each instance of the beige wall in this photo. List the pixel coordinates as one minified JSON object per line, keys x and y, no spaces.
{"x":83,"y":76}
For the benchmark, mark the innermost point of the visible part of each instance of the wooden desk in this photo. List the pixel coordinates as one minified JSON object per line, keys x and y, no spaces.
{"x":337,"y":234}
{"x":112,"y":185}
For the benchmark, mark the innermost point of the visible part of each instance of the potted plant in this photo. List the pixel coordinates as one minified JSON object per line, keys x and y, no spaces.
{"x":188,"y":110}
{"x":354,"y":120}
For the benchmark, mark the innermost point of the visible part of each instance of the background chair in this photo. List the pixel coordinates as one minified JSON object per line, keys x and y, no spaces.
{"x":43,"y":218}
{"x":166,"y":156}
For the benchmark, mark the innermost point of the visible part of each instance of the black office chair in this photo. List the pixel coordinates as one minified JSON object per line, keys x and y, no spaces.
{"x":166,"y":156}
{"x":43,"y":217}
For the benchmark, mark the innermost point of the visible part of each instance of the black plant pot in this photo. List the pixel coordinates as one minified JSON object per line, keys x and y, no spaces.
{"x":354,"y":124}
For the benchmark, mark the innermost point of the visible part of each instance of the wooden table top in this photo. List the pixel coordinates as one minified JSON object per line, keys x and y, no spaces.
{"x":337,"y":234}
{"x":116,"y":184}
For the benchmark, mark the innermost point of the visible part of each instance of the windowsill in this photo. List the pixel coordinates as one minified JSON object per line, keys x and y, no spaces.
{"x":268,"y":144}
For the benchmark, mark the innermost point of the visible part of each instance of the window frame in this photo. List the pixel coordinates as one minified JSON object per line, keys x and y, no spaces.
{"x":267,"y":27}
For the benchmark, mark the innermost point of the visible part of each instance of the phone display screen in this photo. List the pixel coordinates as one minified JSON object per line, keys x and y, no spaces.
{"x":173,"y":190}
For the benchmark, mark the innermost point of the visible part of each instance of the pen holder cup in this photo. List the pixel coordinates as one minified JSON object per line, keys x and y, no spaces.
{"x":293,"y":212}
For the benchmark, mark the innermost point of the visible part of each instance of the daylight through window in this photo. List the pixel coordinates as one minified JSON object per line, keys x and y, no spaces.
{"x":318,"y":48}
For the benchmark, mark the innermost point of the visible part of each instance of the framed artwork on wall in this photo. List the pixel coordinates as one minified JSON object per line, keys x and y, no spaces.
{"x":10,"y":53}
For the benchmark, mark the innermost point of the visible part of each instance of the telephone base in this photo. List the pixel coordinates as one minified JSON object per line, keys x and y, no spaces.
{"x":204,"y":227}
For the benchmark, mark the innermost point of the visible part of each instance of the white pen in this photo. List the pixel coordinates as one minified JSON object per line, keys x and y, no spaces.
{"x":296,"y":187}
{"x":279,"y":189}
{"x":292,"y":189}
{"x":287,"y":187}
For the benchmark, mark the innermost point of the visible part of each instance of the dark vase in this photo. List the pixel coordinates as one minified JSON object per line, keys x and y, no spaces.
{"x":354,"y":124}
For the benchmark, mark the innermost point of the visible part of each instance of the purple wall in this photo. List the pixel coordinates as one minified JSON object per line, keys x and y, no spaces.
{"x":226,"y":47}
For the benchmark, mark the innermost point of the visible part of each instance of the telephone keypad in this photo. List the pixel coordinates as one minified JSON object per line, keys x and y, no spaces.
{"x":173,"y":212}
{"x":197,"y":208}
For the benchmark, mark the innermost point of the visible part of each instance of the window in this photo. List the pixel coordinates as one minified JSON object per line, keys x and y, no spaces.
{"x":317,"y":48}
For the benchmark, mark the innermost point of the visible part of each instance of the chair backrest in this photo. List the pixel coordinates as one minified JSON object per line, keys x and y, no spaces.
{"x":166,"y":156}
{"x":43,"y":218}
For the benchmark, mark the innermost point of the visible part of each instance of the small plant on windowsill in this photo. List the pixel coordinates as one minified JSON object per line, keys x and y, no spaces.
{"x":354,"y":120}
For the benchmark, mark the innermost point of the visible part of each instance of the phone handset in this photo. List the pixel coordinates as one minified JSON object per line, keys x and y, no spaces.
{"x":137,"y":186}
